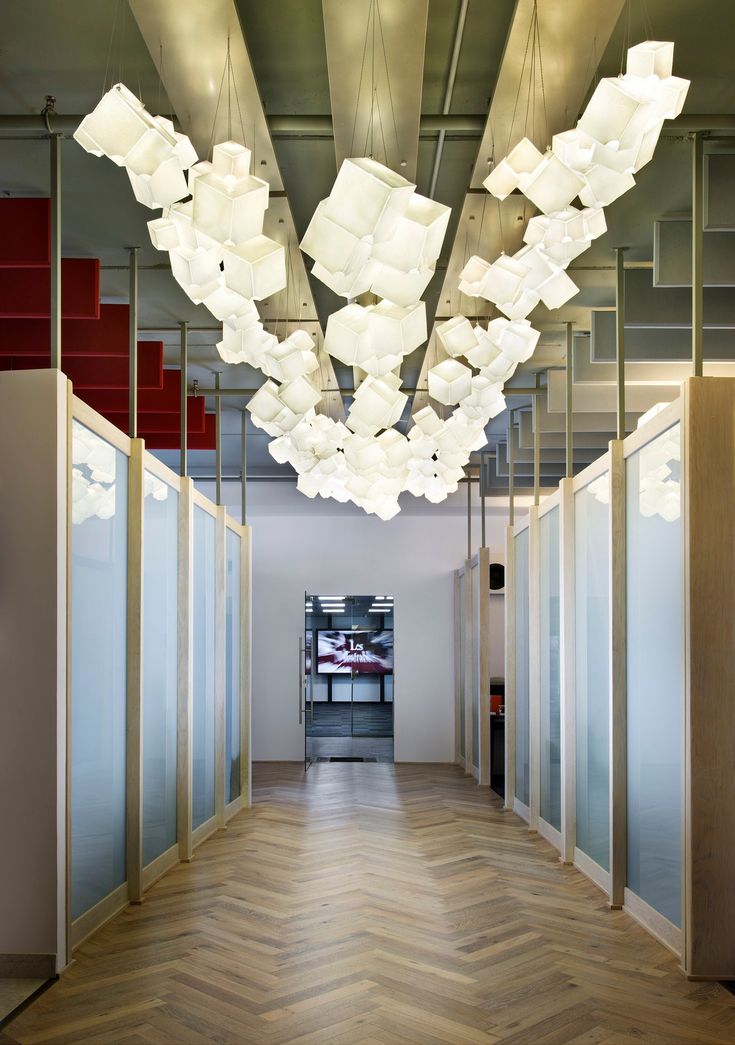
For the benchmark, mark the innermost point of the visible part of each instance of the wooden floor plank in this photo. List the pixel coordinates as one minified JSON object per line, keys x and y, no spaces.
{"x":370,"y":904}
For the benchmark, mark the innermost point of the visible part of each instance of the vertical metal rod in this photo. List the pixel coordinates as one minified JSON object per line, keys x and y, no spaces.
{"x":697,"y":254}
{"x":483,"y":466}
{"x":184,"y":386}
{"x":569,"y":403}
{"x":469,"y":515}
{"x":511,"y":471}
{"x":536,"y":447}
{"x":217,"y":444}
{"x":133,"y":345}
{"x":620,"y":336}
{"x":55,"y":192}
{"x":244,"y":467}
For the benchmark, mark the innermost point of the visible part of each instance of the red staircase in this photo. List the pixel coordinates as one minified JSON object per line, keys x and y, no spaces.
{"x":94,"y":336}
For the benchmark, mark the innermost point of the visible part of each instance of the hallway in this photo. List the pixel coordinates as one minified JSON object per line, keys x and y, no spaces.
{"x":368,"y":903}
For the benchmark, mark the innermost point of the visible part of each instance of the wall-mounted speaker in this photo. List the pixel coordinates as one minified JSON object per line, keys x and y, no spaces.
{"x":497,"y":577}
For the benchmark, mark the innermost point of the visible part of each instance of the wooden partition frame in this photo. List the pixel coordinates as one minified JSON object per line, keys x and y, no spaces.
{"x":468,"y":724}
{"x":481,"y":620}
{"x":243,"y":799}
{"x":509,"y":610}
{"x":151,"y":872}
{"x":140,"y":878}
{"x":204,"y":831}
{"x":548,"y":831}
{"x":534,"y":693}
{"x":458,"y":653}
{"x":81,"y":928}
{"x":524,"y":811}
{"x":570,"y":488}
{"x":707,"y":706}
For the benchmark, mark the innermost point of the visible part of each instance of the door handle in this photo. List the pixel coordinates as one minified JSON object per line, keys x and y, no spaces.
{"x":301,"y":681}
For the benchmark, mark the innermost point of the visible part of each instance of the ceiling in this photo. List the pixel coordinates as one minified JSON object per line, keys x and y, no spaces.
{"x":73,"y":51}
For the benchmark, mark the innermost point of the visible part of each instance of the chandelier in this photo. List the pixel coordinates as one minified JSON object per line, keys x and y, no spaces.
{"x":374,"y":234}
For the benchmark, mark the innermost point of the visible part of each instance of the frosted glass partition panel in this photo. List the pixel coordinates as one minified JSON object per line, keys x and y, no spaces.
{"x":232,"y":668}
{"x":521,"y":666}
{"x":98,"y":665}
{"x":592,"y":616}
{"x":160,"y":665}
{"x":475,"y":625}
{"x":204,"y":617}
{"x":654,"y":673}
{"x":462,"y":659}
{"x":550,"y":731}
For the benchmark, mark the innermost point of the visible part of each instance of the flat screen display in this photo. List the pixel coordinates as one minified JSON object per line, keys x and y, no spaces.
{"x":364,"y":652}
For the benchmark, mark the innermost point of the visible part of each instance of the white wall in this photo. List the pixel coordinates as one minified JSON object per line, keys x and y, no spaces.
{"x":33,"y":429}
{"x":301,"y":545}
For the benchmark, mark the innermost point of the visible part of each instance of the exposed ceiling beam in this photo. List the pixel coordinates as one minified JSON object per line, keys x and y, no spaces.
{"x":192,"y":36}
{"x":487,"y":226}
{"x":375,"y":61}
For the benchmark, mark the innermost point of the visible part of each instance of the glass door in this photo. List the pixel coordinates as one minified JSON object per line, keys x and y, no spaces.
{"x":306,"y":687}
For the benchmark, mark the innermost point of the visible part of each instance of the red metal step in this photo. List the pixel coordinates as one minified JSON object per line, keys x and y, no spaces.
{"x":107,"y":337}
{"x":166,"y":422}
{"x":96,"y":372}
{"x":170,"y":441}
{"x":165,"y":400}
{"x":25,"y":232}
{"x":25,"y":293}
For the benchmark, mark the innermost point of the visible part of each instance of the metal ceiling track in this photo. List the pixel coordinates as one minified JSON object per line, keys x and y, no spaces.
{"x":193,"y":38}
{"x":375,"y":62}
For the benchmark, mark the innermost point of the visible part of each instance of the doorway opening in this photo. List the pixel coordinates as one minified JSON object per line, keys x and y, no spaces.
{"x":348,"y":678}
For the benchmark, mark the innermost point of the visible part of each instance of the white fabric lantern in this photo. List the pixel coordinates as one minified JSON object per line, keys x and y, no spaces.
{"x":256,"y":269}
{"x":450,"y":381}
{"x":347,"y":337}
{"x":456,"y":336}
{"x":396,"y":330}
{"x":368,"y":199}
{"x":230,"y":210}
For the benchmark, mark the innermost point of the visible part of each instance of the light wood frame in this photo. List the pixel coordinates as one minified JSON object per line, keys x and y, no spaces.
{"x":511,"y":801}
{"x":547,"y":830}
{"x":571,"y":853}
{"x":140,"y":878}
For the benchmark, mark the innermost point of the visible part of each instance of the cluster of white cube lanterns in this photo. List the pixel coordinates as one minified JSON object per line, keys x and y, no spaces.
{"x":375,"y":234}
{"x":215,"y":240}
{"x":595,"y":162}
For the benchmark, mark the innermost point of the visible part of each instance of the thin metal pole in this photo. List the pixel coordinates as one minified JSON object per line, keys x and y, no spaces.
{"x":454,"y":62}
{"x":133,"y":346}
{"x":184,"y":383}
{"x":511,"y":471}
{"x":620,"y":336}
{"x":469,"y":516}
{"x":244,"y":466}
{"x":483,"y":466}
{"x":697,"y":254}
{"x":55,"y":308}
{"x":217,"y":445}
{"x":569,"y":403}
{"x":536,"y":449}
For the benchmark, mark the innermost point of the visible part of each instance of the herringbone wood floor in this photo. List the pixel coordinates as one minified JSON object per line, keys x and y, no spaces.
{"x":375,"y":904}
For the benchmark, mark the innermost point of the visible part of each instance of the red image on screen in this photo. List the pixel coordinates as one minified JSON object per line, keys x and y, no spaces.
{"x":364,"y":652}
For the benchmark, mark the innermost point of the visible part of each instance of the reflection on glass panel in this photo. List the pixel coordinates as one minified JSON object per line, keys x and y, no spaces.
{"x":521,"y":666}
{"x":98,"y":664}
{"x":232,"y":669}
{"x":592,"y":615}
{"x":462,"y":664}
{"x":654,"y":673}
{"x":475,"y":665}
{"x":203,"y":731}
{"x":160,"y":665}
{"x":550,"y":728}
